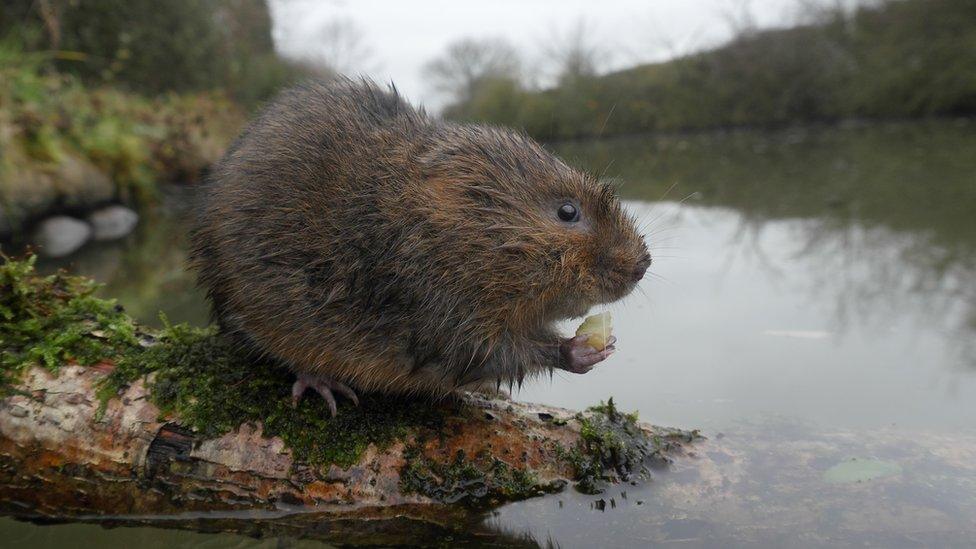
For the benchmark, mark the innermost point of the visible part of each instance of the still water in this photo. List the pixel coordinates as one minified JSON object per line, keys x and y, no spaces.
{"x":812,"y":309}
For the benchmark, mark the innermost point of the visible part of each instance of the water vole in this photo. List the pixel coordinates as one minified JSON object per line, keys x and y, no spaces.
{"x":371,"y":247}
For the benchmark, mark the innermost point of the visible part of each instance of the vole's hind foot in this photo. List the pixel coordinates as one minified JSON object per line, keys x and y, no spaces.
{"x":324,"y":386}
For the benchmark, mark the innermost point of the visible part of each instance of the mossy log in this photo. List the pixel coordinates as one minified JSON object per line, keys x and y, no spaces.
{"x":62,"y":457}
{"x":100,"y":415}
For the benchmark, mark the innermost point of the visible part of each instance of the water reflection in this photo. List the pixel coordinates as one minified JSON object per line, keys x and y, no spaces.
{"x":763,"y":485}
{"x":916,"y":177}
{"x":287,"y":527}
{"x":146,"y":271}
{"x":755,"y":320}
{"x":24,"y":535}
{"x":889,"y":212}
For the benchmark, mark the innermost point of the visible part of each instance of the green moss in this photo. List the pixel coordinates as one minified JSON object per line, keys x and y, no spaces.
{"x":200,"y":380}
{"x":54,"y":320}
{"x":613,"y":447}
{"x":193,"y":375}
{"x":483,"y":479}
{"x":212,"y":388}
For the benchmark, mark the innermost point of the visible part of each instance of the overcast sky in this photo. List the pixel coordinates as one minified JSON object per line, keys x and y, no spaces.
{"x":400,"y":36}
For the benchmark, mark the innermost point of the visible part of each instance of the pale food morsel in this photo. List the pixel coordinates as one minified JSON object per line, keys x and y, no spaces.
{"x":598,"y":328}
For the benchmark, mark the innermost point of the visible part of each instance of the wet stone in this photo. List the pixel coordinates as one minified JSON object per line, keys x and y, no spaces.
{"x":113,"y":222}
{"x":61,"y":235}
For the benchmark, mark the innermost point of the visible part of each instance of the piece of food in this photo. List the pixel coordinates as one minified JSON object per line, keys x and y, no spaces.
{"x":598,"y":328}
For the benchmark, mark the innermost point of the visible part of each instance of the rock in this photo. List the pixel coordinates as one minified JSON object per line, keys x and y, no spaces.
{"x":60,"y":235}
{"x":29,"y":190}
{"x":112,"y":222}
{"x":78,"y":183}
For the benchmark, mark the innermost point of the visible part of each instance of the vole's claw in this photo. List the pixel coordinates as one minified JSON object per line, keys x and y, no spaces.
{"x":346,"y":391}
{"x":323,"y":386}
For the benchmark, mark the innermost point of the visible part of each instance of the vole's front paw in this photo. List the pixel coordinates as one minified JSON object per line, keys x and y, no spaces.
{"x":579,"y":357}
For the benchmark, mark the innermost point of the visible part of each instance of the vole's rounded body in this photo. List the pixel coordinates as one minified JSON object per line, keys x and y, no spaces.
{"x":358,"y":240}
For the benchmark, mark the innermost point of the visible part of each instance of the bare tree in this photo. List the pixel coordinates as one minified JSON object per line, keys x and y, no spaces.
{"x":661,"y":43}
{"x":740,"y":18}
{"x":815,"y":12}
{"x":341,"y":47}
{"x":468,"y":63}
{"x":50,"y":12}
{"x":576,"y":53}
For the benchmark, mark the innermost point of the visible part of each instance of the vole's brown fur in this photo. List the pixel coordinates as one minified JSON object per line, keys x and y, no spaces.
{"x":357,"y":239}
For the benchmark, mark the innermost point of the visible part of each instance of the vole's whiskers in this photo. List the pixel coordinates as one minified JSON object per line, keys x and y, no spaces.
{"x":660,"y":278}
{"x":667,"y":192}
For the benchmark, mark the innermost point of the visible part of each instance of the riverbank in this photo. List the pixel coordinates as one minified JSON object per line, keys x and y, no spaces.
{"x":894,"y":59}
{"x":70,"y":147}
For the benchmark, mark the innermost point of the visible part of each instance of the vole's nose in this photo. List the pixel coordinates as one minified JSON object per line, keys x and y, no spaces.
{"x":642,"y":264}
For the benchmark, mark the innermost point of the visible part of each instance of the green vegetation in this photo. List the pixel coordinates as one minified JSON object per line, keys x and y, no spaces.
{"x":480,"y":480}
{"x":134,"y":140}
{"x":69,"y":145}
{"x":212,"y":388}
{"x":55,"y":319}
{"x":610,"y":443}
{"x":892,"y":59}
{"x":614,"y":448}
{"x":192,"y":45}
{"x":195,"y":375}
{"x":102,"y":100}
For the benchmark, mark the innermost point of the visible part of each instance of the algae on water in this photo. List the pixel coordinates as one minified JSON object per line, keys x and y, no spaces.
{"x":860,"y":470}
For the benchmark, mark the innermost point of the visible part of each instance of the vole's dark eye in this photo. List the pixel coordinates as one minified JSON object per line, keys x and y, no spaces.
{"x":568,"y":213}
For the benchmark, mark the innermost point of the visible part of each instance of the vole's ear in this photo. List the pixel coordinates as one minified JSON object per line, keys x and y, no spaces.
{"x":440,"y":192}
{"x":467,"y":194}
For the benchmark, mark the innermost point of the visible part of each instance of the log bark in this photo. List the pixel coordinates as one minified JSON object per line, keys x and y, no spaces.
{"x":60,"y":458}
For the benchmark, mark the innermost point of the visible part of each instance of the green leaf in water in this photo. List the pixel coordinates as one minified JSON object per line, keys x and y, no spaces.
{"x":860,"y":470}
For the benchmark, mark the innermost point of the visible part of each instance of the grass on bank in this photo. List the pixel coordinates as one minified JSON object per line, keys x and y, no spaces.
{"x":102,"y":100}
{"x":56,"y":130}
